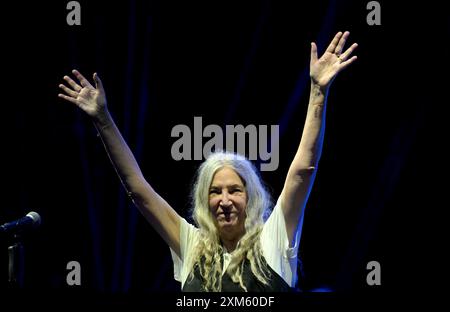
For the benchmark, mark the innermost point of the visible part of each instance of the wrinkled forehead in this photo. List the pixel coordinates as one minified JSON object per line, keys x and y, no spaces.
{"x":227,"y":176}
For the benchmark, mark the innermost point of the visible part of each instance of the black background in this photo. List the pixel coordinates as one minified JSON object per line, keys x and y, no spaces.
{"x":164,"y":62}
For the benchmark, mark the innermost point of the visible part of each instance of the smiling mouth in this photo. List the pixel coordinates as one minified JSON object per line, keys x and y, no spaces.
{"x":225,"y":216}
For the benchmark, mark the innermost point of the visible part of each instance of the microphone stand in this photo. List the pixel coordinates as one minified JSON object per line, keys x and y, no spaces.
{"x":16,"y":263}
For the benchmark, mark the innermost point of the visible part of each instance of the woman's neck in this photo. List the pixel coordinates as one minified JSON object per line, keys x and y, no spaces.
{"x":230,"y":243}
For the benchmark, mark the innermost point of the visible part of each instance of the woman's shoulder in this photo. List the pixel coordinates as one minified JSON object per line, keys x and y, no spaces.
{"x":188,"y":230}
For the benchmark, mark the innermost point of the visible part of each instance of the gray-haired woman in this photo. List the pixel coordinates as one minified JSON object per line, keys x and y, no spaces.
{"x":232,"y":247}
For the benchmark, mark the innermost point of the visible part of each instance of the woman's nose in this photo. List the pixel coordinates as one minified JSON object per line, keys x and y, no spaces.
{"x":225,"y":200}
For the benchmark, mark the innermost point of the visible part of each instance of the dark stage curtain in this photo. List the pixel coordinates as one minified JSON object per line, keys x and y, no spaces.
{"x":164,"y":63}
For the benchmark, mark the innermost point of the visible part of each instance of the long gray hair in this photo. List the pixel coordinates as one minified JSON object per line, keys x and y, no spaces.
{"x":208,"y":253}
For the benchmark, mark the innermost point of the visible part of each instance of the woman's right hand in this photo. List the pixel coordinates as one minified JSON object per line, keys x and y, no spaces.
{"x":91,"y":100}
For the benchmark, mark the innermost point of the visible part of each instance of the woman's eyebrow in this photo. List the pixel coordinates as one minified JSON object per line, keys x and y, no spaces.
{"x":229,"y":186}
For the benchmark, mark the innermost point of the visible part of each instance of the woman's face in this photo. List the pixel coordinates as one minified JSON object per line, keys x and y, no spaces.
{"x":228,"y":201}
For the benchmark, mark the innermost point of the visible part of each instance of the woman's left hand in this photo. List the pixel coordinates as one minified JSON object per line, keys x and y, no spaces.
{"x":323,"y":70}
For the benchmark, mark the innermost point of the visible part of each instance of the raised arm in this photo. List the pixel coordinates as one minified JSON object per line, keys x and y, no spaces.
{"x":155,"y":209}
{"x":302,"y":171}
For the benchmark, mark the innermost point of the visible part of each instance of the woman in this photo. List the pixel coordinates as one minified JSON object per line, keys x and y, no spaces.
{"x":232,"y":248}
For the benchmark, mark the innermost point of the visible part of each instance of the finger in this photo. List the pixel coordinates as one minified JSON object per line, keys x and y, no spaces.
{"x":72,"y":83}
{"x":68,"y":91}
{"x":348,"y":62}
{"x":313,"y":52}
{"x":68,"y":98}
{"x":344,"y":56}
{"x":341,"y":43}
{"x":334,"y":43}
{"x":83,"y":81}
{"x":98,"y":82}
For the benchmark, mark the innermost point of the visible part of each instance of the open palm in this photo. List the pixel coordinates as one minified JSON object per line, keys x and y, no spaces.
{"x":91,"y":100}
{"x":324,"y":69}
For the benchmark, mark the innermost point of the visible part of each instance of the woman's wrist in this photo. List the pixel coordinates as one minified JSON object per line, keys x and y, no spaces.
{"x":317,"y":89}
{"x":102,"y":119}
{"x":318,"y":93}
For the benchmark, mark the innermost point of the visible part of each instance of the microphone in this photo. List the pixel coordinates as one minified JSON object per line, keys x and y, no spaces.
{"x":30,"y":221}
